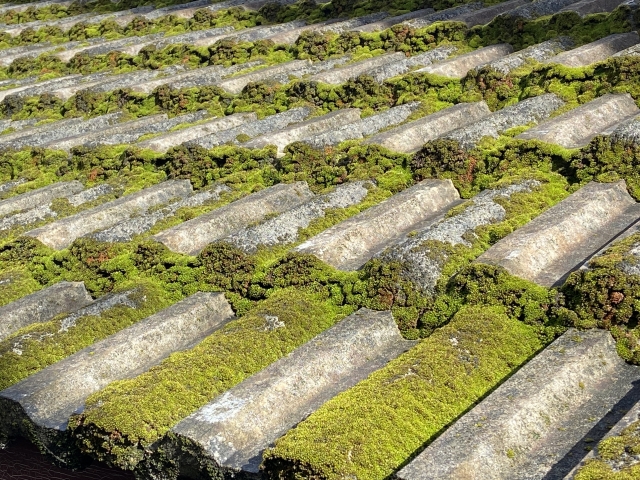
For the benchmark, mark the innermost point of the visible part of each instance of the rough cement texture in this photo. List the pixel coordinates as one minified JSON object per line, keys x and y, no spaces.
{"x":285,"y":227}
{"x":578,"y":378}
{"x":192,"y":236}
{"x":90,"y":194}
{"x":486,"y":15}
{"x":8,"y":186}
{"x":410,"y":137}
{"x":38,"y":197}
{"x":539,"y":9}
{"x":101,"y":48}
{"x":125,"y":231}
{"x":61,"y":233}
{"x":555,"y":243}
{"x":340,"y":75}
{"x":8,"y":57}
{"x":42,"y":306}
{"x":290,"y":37}
{"x":139,"y":126}
{"x":443,"y":15}
{"x":403,"y":65}
{"x":577,"y":127}
{"x":124,"y":80}
{"x":588,"y":7}
{"x":37,"y":88}
{"x":251,"y":34}
{"x":300,"y":131}
{"x":364,"y":127}
{"x":389,"y":22}
{"x":165,"y":141}
{"x":633,"y":51}
{"x":237,"y":426}
{"x":458,"y":67}
{"x":540,"y":53}
{"x":254,"y":129}
{"x":56,"y":131}
{"x":155,"y":124}
{"x":350,"y":244}
{"x":596,"y":51}
{"x":206,"y":76}
{"x":50,"y":396}
{"x":281,"y":73}
{"x":628,"y":131}
{"x":415,"y":253}
{"x":531,"y":110}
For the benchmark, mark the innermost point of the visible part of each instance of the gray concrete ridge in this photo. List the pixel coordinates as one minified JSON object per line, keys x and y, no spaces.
{"x":50,"y":396}
{"x":281,"y":73}
{"x":165,"y":141}
{"x":61,"y":233}
{"x":410,"y":137}
{"x":389,"y":22}
{"x":363,"y":127}
{"x":285,"y":227}
{"x":32,"y":89}
{"x":253,"y":129}
{"x":403,"y":65}
{"x":214,"y":72}
{"x":124,"y":80}
{"x":6,"y":138}
{"x":539,"y":9}
{"x":458,"y":67}
{"x":204,"y":76}
{"x":628,"y":131}
{"x":587,"y":7}
{"x":103,"y":47}
{"x":141,"y":125}
{"x":48,"y":136}
{"x":237,"y":426}
{"x":531,"y":110}
{"x":596,"y":51}
{"x":554,"y":244}
{"x":300,"y":131}
{"x":9,"y":56}
{"x":125,"y":231}
{"x":577,"y":127}
{"x":38,"y":197}
{"x":538,"y":415}
{"x":8,"y":186}
{"x":416,"y":252}
{"x":42,"y":306}
{"x":251,"y":34}
{"x":22,"y":7}
{"x":485,"y":15}
{"x":192,"y":236}
{"x":90,"y":194}
{"x":540,"y":52}
{"x":350,"y":244}
{"x":342,"y":74}
{"x":443,"y":15}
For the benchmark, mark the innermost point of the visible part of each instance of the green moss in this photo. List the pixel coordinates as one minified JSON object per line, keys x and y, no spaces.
{"x":370,"y":430}
{"x":137,"y":412}
{"x":616,"y":457}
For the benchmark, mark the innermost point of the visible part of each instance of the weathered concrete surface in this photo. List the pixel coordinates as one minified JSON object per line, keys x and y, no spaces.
{"x":532,"y":109}
{"x":539,"y":9}
{"x":238,"y":425}
{"x":587,"y":7}
{"x":254,"y":129}
{"x":555,"y":243}
{"x":633,"y":51}
{"x":537,"y":415}
{"x":251,"y":34}
{"x":540,"y":52}
{"x":141,"y":125}
{"x":305,"y":129}
{"x":8,"y":186}
{"x":90,"y":194}
{"x":415,"y":253}
{"x":443,"y":15}
{"x":410,"y":137}
{"x":281,"y":73}
{"x":350,"y":244}
{"x":389,"y":22}
{"x":101,"y":48}
{"x":290,"y":37}
{"x":285,"y":227}
{"x":210,"y":35}
{"x":47,"y":86}
{"x":50,"y":396}
{"x":403,"y":65}
{"x":167,"y":140}
{"x":122,"y":81}
{"x":628,"y":131}
{"x":56,"y":131}
{"x":364,"y":127}
{"x":61,"y":233}
{"x":485,"y":15}
{"x":577,"y":127}
{"x":121,"y":135}
{"x":8,"y":57}
{"x":340,"y":75}
{"x":596,"y":51}
{"x":206,"y":76}
{"x":38,"y":197}
{"x":42,"y":306}
{"x":458,"y":67}
{"x":125,"y":231}
{"x":192,"y":236}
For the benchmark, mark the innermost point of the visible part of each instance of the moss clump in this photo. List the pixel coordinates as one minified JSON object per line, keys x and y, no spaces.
{"x":37,"y":346}
{"x":133,"y":414}
{"x":370,"y":430}
{"x":616,"y":457}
